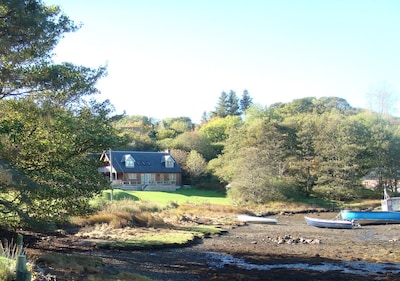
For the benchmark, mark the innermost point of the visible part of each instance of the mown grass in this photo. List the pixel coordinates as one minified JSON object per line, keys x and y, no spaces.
{"x":163,"y":198}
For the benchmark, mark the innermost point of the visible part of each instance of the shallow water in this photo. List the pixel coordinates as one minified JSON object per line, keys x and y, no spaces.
{"x":219,"y":260}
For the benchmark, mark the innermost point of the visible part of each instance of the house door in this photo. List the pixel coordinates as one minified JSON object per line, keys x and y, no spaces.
{"x":146,"y":178}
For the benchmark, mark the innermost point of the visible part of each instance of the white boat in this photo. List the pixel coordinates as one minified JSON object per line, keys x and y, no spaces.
{"x":329,"y":223}
{"x":390,"y":204}
{"x":255,"y":219}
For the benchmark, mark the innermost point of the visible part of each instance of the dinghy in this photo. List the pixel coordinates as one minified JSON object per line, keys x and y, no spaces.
{"x":255,"y":219}
{"x":329,"y":223}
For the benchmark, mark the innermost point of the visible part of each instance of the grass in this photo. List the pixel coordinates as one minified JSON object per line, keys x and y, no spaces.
{"x":9,"y":252}
{"x":149,"y":239}
{"x":7,"y":269}
{"x":164,"y":198}
{"x":155,"y":219}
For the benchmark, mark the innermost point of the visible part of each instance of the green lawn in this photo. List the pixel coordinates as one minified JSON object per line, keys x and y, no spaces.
{"x":163,"y":198}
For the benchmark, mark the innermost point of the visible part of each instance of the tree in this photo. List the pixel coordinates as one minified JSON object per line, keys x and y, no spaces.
{"x":218,"y":129}
{"x":49,"y":131}
{"x":52,"y":151}
{"x":29,"y":31}
{"x":337,"y":156}
{"x":194,"y":141}
{"x":204,"y":118}
{"x":196,"y":165}
{"x":381,"y":99}
{"x":221,"y":110}
{"x":246,"y":101}
{"x":138,"y":133}
{"x":233,"y":108}
{"x":180,"y":157}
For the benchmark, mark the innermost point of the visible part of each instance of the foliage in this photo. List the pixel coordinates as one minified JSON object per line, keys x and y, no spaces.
{"x":245,"y":102}
{"x":196,"y":165}
{"x":321,"y":147}
{"x":230,"y":105}
{"x":332,"y":192}
{"x":195,"y":140}
{"x":48,"y":126}
{"x":218,"y":129}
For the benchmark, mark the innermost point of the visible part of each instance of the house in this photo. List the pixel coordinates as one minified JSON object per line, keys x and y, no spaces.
{"x":139,"y":170}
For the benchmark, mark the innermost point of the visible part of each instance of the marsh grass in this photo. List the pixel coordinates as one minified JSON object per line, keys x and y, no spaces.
{"x":9,"y":252}
{"x":124,"y":213}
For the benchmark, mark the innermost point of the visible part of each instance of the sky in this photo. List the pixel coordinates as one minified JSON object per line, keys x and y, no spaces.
{"x":174,"y":58}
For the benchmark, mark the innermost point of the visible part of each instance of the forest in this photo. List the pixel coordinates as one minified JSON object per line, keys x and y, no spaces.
{"x":318,"y":147}
{"x":52,"y":129}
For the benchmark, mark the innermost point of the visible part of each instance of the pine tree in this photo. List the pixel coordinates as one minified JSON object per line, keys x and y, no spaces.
{"x":246,"y":101}
{"x":233,"y":107}
{"x":222,"y":106}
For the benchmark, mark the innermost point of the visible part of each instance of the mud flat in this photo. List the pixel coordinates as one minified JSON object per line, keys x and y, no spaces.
{"x":289,"y":250}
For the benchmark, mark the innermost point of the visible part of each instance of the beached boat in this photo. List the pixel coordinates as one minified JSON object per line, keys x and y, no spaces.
{"x":329,"y":223}
{"x":255,"y":219}
{"x":370,"y":217}
{"x":390,"y":204}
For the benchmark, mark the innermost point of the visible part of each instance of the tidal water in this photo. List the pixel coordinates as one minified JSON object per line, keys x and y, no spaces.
{"x":219,"y":260}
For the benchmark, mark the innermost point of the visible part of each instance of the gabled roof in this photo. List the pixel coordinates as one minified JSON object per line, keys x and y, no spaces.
{"x":145,"y":162}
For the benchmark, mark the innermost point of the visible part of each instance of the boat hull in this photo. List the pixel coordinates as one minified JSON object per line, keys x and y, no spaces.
{"x":258,"y":220}
{"x":365,"y":218}
{"x":325,"y":223}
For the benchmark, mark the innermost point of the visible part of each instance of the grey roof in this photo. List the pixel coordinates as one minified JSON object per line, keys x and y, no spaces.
{"x":145,"y":162}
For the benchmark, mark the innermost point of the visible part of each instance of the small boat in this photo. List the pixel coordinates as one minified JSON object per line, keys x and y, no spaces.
{"x":390,"y":204}
{"x":255,"y":219}
{"x":329,"y":223}
{"x":371,"y":217}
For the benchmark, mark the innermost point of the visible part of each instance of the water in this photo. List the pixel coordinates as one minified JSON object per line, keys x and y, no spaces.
{"x":357,"y":267}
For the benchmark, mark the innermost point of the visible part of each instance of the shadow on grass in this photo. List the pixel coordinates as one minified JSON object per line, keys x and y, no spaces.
{"x":200,"y":193}
{"x":120,"y":195}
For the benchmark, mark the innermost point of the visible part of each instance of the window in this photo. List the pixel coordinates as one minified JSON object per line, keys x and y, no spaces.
{"x":129,"y":163}
{"x":132,"y":176}
{"x":168,"y":161}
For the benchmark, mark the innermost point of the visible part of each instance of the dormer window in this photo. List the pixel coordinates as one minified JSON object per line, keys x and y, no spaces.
{"x":129,"y":161}
{"x":169,"y":162}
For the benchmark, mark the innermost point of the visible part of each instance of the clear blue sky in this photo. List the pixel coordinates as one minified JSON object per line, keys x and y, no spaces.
{"x":172,"y":58}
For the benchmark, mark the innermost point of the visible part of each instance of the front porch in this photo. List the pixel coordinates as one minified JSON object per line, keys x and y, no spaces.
{"x":151,"y":186}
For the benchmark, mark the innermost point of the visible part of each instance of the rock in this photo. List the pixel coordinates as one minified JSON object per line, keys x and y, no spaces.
{"x":289,"y":239}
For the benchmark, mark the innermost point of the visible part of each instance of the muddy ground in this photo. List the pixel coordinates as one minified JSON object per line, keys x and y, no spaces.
{"x":289,"y":250}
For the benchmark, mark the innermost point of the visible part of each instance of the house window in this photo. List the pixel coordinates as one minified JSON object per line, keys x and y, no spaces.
{"x":169,"y":163}
{"x":129,"y":163}
{"x":172,"y":177}
{"x":132,"y":176}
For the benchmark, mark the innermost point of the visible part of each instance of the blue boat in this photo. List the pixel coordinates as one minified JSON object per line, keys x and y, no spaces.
{"x":370,"y":217}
